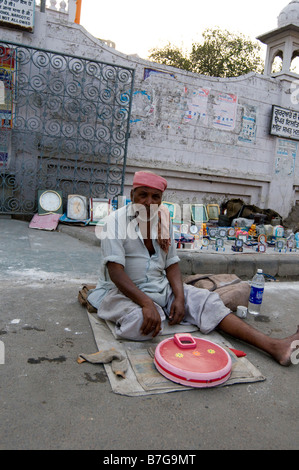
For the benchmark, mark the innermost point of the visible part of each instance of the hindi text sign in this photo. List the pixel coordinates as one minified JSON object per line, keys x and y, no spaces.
{"x":17,"y":14}
{"x":285,"y":123}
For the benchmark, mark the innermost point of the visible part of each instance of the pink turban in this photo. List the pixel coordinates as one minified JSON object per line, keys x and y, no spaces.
{"x":149,"y":179}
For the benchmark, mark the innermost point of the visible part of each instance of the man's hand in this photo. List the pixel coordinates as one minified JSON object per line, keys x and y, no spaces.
{"x":177,"y":311}
{"x":151,"y":317}
{"x":151,"y":320}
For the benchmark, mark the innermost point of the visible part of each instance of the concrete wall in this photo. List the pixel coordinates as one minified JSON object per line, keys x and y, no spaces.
{"x":175,"y":128}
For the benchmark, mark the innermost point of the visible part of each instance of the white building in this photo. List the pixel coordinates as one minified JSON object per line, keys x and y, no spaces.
{"x":210,"y":137}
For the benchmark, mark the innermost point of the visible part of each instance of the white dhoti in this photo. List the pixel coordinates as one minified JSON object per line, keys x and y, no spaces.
{"x":203,"y":308}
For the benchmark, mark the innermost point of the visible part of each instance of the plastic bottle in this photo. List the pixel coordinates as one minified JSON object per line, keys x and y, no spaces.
{"x":256,"y":293}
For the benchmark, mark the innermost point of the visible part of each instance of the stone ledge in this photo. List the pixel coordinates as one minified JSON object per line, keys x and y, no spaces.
{"x":244,"y":265}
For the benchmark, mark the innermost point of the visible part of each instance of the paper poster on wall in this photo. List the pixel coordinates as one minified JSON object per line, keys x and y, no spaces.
{"x":197,"y":105}
{"x":7,"y":72}
{"x":248,"y":125}
{"x":225,"y":109}
{"x":142,"y":105}
{"x":286,"y":154}
{"x":152,"y":72}
{"x":7,"y":76}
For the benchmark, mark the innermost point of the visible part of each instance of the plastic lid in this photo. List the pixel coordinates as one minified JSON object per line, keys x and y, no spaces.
{"x":260,"y":271}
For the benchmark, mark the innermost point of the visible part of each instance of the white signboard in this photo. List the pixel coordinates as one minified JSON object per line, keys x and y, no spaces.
{"x":285,"y":123}
{"x":18,"y":14}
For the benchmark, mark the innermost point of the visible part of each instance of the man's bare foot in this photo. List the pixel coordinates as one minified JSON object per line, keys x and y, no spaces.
{"x":280,"y":349}
{"x":284,"y":348}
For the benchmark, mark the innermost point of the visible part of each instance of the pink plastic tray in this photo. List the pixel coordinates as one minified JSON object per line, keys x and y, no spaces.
{"x":193,"y":361}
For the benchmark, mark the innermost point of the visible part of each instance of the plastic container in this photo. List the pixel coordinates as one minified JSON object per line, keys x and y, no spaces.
{"x":256,"y":293}
{"x":194,"y":362}
{"x":241,"y":311}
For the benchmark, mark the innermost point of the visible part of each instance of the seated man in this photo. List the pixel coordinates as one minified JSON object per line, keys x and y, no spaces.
{"x":140,"y":281}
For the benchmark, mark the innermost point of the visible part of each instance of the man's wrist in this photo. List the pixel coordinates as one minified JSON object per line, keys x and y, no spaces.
{"x":146,"y":302}
{"x":179,"y":296}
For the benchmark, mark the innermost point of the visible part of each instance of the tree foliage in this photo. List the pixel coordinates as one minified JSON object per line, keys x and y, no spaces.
{"x":221,"y":54}
{"x":171,"y":55}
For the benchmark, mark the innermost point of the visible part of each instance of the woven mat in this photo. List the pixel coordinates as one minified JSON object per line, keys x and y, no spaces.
{"x":142,"y":377}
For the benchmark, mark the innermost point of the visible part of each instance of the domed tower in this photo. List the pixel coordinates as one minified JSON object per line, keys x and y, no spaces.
{"x":283,"y":42}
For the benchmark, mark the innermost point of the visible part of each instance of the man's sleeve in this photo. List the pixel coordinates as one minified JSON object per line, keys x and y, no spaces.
{"x":172,"y":256}
{"x":112,"y":240}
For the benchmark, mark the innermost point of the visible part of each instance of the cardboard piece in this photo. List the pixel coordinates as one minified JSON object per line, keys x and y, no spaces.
{"x":45,"y":222}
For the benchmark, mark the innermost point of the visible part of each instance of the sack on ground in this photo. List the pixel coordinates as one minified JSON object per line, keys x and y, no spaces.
{"x":82,"y":297}
{"x":230,"y":288}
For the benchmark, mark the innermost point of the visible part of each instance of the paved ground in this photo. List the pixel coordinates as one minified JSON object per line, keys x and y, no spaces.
{"x":48,"y":401}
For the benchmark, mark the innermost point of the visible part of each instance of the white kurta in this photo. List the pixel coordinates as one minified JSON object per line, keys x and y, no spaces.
{"x":122,"y":243}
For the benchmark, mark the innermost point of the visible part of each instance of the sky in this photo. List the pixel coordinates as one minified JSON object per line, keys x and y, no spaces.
{"x":136,"y":26}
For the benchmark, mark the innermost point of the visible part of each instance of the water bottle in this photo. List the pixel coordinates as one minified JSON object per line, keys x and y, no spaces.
{"x":256,"y":293}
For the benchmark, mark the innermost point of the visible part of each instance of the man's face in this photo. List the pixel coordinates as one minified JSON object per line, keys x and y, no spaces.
{"x":146,"y":197}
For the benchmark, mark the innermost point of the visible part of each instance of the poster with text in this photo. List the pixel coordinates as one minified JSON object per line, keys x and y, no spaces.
{"x":248,"y":125}
{"x":286,"y":154}
{"x":7,"y":77}
{"x":225,"y":110}
{"x":197,"y":105}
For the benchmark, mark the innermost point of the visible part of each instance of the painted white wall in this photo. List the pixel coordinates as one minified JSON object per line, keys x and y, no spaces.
{"x":202,"y":160}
